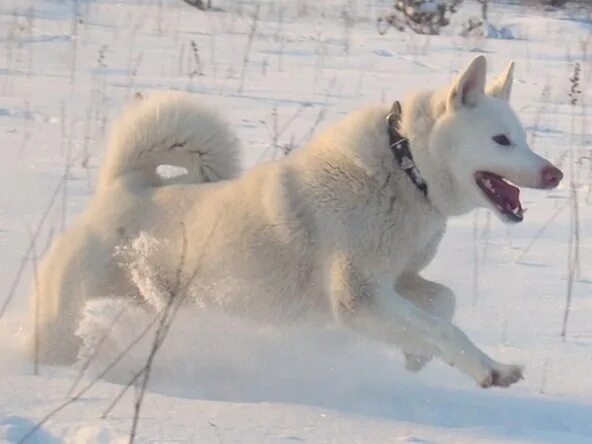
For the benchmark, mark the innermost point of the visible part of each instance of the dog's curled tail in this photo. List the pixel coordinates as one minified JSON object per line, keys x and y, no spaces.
{"x":170,"y":128}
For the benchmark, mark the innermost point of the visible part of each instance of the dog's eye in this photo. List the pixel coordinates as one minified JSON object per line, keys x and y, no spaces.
{"x":501,"y":139}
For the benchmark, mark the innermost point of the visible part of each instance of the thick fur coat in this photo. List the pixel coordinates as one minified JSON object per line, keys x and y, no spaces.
{"x":334,"y":231}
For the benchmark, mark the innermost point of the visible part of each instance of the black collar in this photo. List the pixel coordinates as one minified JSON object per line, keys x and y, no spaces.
{"x":400,"y":148}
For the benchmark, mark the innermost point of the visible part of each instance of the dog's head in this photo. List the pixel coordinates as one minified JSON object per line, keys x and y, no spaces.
{"x":482,"y":146}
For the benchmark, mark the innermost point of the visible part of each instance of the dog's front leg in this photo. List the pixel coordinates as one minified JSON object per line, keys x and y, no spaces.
{"x":371,"y":306}
{"x":435,"y":298}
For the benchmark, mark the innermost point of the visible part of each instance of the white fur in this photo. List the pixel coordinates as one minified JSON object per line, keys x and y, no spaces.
{"x":335,"y":230}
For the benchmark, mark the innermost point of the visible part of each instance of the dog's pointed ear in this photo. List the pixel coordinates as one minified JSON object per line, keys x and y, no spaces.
{"x":502,"y":86}
{"x":469,"y":87}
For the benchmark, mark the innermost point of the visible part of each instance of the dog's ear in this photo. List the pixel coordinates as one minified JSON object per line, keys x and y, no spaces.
{"x":469,"y":87}
{"x":502,"y":86}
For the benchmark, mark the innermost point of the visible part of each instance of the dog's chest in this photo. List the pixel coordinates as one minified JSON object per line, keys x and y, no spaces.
{"x":410,"y":236}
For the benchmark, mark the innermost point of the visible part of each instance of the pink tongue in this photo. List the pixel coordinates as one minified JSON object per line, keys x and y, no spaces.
{"x":508,"y":192}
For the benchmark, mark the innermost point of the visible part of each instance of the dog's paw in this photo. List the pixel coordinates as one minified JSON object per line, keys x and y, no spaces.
{"x":415,"y":363}
{"x":502,"y":375}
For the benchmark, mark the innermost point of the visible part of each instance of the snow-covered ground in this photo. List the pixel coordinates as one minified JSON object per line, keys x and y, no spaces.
{"x":66,"y":69}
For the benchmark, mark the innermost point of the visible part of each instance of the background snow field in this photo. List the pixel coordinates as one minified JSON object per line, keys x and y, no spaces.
{"x":281,"y":70}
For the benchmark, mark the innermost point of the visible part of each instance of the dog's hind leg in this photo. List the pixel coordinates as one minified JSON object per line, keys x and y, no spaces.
{"x":372,"y":307}
{"x":434,"y":298}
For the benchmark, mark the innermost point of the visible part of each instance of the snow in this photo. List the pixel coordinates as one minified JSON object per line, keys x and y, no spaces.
{"x":67,"y":69}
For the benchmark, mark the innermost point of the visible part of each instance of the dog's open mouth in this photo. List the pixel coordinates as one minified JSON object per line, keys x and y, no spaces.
{"x":504,"y":196}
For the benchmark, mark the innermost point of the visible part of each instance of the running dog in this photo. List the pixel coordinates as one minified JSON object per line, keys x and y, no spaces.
{"x":338,"y":230}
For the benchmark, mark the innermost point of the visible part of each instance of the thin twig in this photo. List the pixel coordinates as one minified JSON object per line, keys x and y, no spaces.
{"x":159,"y":337}
{"x":251,"y":36}
{"x":321,"y":114}
{"x":573,"y":248}
{"x":36,"y":304}
{"x":122,"y":392}
{"x":476,"y":257}
{"x":29,"y":249}
{"x":543,"y":387}
{"x":67,"y":167}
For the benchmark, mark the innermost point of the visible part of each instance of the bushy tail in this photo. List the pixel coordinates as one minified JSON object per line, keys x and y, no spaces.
{"x":170,"y":128}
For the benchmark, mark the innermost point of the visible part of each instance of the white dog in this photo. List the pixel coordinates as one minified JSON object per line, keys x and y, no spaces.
{"x":339,"y":229}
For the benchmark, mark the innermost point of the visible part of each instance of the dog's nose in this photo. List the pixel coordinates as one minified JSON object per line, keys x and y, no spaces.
{"x":551,"y":176}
